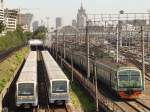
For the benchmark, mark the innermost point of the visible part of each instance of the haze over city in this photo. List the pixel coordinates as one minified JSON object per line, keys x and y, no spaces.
{"x":67,"y":9}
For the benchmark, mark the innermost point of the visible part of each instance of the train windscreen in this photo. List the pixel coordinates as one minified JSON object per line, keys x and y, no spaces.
{"x":25,"y":89}
{"x":135,"y":79}
{"x":124,"y":79}
{"x":129,"y":79}
{"x":59,"y":86}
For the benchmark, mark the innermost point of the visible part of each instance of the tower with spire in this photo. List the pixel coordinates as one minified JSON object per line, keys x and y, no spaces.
{"x":81,"y":17}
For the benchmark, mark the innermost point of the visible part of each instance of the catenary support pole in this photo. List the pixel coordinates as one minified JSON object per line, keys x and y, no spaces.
{"x":143,"y":60}
{"x":87,"y":48}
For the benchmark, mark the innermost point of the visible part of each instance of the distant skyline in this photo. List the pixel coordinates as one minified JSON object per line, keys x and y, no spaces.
{"x":67,"y":9}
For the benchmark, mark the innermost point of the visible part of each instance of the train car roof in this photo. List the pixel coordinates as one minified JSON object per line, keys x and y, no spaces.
{"x":53,"y":70}
{"x":128,"y":68}
{"x":28,"y":76}
{"x":108,"y":62}
{"x":29,"y":70}
{"x":32,"y":56}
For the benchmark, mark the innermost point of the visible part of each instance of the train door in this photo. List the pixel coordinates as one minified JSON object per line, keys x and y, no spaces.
{"x":114,"y":80}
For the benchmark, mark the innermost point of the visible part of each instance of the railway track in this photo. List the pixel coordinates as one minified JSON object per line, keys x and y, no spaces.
{"x":103,"y":100}
{"x":52,"y":108}
{"x":138,"y":106}
{"x":61,"y":108}
{"x":5,"y":54}
{"x":42,"y":87}
{"x":43,"y":90}
{"x":25,"y":110}
{"x":132,"y":58}
{"x":133,"y":106}
{"x":9,"y":99}
{"x":126,"y":106}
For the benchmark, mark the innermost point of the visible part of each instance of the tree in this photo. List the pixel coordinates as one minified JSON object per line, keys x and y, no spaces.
{"x":14,"y":38}
{"x":2,"y":26}
{"x":27,"y":35}
{"x":40,"y":33}
{"x":19,"y":30}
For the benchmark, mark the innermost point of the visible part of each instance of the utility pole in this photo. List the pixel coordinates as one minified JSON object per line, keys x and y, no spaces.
{"x":148,"y":39}
{"x":61,"y":59}
{"x":96,"y":97}
{"x":143,"y":60}
{"x":56,"y":43}
{"x":71,"y":63}
{"x":76,"y":40}
{"x":117,"y":43}
{"x":64,"y":45}
{"x":53,"y":46}
{"x":47,"y":18}
{"x":87,"y":48}
{"x":118,"y":35}
{"x":120,"y":27}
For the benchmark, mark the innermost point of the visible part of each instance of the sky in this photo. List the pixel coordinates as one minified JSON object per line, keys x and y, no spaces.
{"x":67,"y":9}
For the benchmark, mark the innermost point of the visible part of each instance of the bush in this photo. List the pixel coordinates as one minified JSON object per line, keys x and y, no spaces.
{"x":13,"y":39}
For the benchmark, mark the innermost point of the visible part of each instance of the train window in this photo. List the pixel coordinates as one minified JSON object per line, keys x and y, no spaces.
{"x":25,"y":89}
{"x":125,"y":72}
{"x":135,"y":79}
{"x":59,"y":86}
{"x":123,"y":80}
{"x":135,"y":73}
{"x":129,"y":78}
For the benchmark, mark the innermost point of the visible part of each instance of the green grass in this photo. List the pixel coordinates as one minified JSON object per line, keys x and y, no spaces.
{"x":79,"y":97}
{"x":9,"y":66}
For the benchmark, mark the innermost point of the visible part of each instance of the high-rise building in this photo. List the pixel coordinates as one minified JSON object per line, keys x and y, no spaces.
{"x":24,"y":20}
{"x":74,"y":23}
{"x":59,"y":22}
{"x":81,"y":17}
{"x":35,"y":25}
{"x":2,"y":19}
{"x":10,"y":19}
{"x":1,"y":14}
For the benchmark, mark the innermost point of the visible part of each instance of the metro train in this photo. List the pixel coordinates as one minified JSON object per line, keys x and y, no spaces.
{"x":26,"y":85}
{"x":126,"y":82}
{"x":36,"y":44}
{"x":58,"y":83}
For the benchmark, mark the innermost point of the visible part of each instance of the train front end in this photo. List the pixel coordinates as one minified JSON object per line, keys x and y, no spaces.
{"x":59,"y":91}
{"x":130,"y":83}
{"x":26,"y":95}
